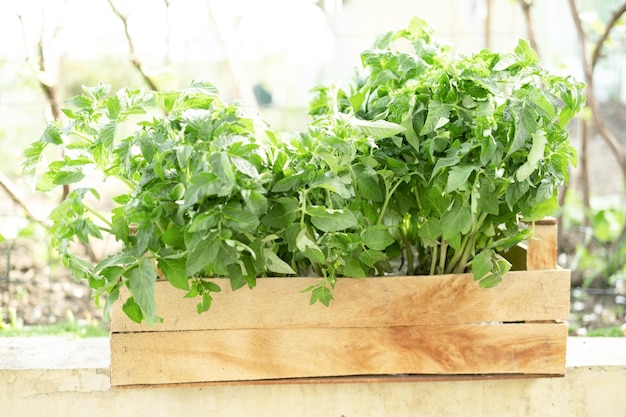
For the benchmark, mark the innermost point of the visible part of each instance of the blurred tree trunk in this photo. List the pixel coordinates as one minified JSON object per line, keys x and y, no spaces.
{"x":527,"y":6}
{"x":588,"y":63}
{"x":45,"y":66}
{"x":134,"y":56}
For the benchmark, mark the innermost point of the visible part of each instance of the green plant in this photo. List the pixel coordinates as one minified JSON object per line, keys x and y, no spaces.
{"x":427,"y":166}
{"x":478,"y":143}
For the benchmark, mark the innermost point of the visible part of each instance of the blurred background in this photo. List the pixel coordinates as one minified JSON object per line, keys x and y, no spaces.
{"x":271,"y":53}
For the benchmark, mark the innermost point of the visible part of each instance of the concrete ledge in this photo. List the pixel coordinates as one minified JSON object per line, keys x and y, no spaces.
{"x":66,"y":377}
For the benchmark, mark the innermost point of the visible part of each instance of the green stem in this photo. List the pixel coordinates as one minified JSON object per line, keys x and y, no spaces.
{"x":465,"y":254}
{"x":80,"y":135}
{"x":452,"y":265}
{"x":410,"y":262}
{"x":98,"y":215}
{"x":354,"y":184}
{"x":442,"y":256}
{"x":303,"y":206}
{"x":433,"y":261}
{"x":386,"y":202}
{"x":458,"y":263}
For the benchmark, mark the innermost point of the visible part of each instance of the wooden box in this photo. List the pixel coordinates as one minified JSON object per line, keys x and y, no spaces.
{"x":390,"y":328}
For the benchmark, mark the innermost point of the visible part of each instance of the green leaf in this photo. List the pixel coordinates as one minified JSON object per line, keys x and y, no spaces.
{"x":80,"y":101}
{"x":175,"y":270}
{"x":544,"y":209}
{"x":377,"y":237}
{"x":331,"y":220}
{"x":141,"y":281}
{"x":202,"y":185}
{"x":222,"y":167}
{"x":430,"y":232}
{"x":437,"y":117}
{"x":114,"y":295}
{"x":282,"y":213}
{"x":98,"y":92}
{"x":51,"y":134}
{"x":456,"y":220}
{"x":205,"y":304}
{"x":321,"y":294}
{"x":239,"y":219}
{"x":309,"y":248}
{"x":515,"y":192}
{"x":445,"y":162}
{"x":353,"y":268}
{"x":368,"y":185}
{"x":487,"y":198}
{"x":458,"y":177}
{"x":132,"y":310}
{"x":32,"y":159}
{"x":114,"y":107}
{"x":410,"y":134}
{"x":372,"y":257}
{"x":331,"y":183}
{"x":490,"y":281}
{"x":203,"y":254}
{"x":526,"y":52}
{"x":275,"y":264}
{"x":378,"y":129}
{"x":534,"y":156}
{"x":287,"y":183}
{"x":356,"y":100}
{"x":482,"y":264}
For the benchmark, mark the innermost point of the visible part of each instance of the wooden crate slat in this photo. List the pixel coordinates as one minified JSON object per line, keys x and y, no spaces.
{"x":368,"y":302}
{"x":542,"y":247}
{"x":259,"y":354}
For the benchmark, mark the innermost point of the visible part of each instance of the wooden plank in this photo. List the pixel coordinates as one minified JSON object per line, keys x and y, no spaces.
{"x":368,"y":302}
{"x":260,"y":354}
{"x":542,"y":247}
{"x":353,"y":379}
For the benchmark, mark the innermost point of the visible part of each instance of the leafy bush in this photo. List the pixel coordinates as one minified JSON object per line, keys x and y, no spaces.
{"x":426,"y":166}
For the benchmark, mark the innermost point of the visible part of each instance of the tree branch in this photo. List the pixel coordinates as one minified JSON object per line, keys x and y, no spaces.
{"x":526,"y":6}
{"x":42,"y":72}
{"x":134,"y":57}
{"x":592,"y":102}
{"x":14,"y":194}
{"x":607,"y":31}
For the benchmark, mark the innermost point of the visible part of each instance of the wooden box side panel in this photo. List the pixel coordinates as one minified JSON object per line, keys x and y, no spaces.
{"x":542,"y":247}
{"x":260,"y":354}
{"x":367,"y":302}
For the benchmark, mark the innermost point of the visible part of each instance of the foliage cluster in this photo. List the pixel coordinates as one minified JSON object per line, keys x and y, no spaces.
{"x":425,"y":166}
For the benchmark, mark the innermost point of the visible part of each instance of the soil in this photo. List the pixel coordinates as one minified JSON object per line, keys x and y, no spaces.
{"x":38,"y":289}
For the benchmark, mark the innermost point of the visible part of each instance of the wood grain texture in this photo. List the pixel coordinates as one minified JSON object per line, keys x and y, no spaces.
{"x":366,"y":302}
{"x":542,"y":247}
{"x":262,"y":354}
{"x":443,"y":325}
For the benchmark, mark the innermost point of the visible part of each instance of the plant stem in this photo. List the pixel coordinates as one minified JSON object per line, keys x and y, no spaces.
{"x":442,"y":256}
{"x":433,"y":261}
{"x":386,"y":202}
{"x":465,"y":254}
{"x":458,"y":263}
{"x":303,"y":206}
{"x":409,"y":253}
{"x":98,"y":215}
